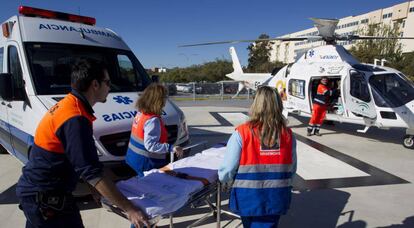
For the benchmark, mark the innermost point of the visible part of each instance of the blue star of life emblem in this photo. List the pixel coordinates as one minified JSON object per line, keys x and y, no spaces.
{"x":311,"y":53}
{"x":123,"y":100}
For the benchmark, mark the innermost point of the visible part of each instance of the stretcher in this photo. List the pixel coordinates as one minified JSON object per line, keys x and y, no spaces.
{"x":163,"y":192}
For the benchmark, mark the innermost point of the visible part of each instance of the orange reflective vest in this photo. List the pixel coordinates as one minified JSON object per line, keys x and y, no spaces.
{"x":138,"y":157}
{"x":68,"y":107}
{"x":323,"y":94}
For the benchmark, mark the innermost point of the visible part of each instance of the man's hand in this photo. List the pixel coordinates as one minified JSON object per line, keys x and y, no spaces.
{"x":137,"y":218}
{"x":111,"y":193}
{"x":179,"y":151}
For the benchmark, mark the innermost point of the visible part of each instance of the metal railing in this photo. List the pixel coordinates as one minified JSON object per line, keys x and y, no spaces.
{"x":204,"y":90}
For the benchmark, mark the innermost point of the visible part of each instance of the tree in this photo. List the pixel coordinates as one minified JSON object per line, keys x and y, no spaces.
{"x":211,"y":72}
{"x":407,"y":65}
{"x":389,"y":49}
{"x":259,"y":55}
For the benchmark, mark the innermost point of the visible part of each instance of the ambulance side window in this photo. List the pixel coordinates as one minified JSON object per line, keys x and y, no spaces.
{"x":127,"y":74}
{"x":1,"y":60}
{"x":15,"y":70}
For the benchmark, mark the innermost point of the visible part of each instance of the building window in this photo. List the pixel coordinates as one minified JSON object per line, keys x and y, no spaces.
{"x":411,"y":9}
{"x":388,"y":15}
{"x":364,"y":21}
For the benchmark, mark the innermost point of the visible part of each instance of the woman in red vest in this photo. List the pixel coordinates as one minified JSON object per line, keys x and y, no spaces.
{"x":148,"y":146}
{"x":260,"y":160}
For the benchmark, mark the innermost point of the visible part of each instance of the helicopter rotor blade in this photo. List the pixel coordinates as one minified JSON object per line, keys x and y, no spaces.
{"x":358,"y":37}
{"x":326,"y":28}
{"x":255,"y":40}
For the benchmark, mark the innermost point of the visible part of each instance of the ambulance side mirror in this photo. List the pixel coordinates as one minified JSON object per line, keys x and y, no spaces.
{"x":155,"y":78}
{"x":6,"y":86}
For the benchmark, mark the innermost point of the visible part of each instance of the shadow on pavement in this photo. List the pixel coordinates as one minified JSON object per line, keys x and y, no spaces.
{"x":407,"y":223}
{"x":392,"y":135}
{"x":315,"y":208}
{"x":9,"y":196}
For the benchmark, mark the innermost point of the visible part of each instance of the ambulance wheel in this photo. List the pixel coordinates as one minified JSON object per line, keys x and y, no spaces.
{"x":409,"y":141}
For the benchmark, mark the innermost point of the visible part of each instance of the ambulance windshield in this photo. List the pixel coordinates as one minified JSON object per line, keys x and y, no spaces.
{"x":50,"y":66}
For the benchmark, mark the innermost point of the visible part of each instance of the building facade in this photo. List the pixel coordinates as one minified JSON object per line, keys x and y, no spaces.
{"x":402,"y":13}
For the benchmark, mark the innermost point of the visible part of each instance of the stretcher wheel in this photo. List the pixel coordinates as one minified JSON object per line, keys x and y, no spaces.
{"x":408,"y":141}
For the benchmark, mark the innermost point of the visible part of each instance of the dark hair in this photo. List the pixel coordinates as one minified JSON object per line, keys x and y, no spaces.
{"x":84,"y":71}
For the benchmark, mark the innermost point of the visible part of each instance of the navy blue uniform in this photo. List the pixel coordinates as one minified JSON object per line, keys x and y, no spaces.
{"x":64,"y":151}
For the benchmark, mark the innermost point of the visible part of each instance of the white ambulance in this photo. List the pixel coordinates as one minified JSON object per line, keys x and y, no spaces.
{"x":37,"y":49}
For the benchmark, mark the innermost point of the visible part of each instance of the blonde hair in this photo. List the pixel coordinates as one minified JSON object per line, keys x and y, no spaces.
{"x":152,"y":100}
{"x":266,"y":116}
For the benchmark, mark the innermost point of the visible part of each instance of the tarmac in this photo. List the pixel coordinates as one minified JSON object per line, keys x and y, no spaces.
{"x":344,"y":179}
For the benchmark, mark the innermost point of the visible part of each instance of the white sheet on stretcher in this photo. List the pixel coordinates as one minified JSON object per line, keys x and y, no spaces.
{"x":162,"y":194}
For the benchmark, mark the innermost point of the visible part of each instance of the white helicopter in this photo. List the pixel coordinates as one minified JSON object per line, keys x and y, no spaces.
{"x":246,"y":80}
{"x":370,"y":95}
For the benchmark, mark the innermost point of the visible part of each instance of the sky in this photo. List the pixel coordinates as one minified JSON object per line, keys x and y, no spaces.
{"x":154,"y":28}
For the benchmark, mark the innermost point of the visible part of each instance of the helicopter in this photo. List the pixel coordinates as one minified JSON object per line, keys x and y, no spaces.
{"x":370,"y":95}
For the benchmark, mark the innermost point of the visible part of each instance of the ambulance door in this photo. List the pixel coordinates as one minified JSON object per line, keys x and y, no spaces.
{"x":5,"y":139}
{"x":19,"y":111}
{"x":357,"y":96}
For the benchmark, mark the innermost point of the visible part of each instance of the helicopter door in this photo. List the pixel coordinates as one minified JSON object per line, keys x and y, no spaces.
{"x":357,"y":96}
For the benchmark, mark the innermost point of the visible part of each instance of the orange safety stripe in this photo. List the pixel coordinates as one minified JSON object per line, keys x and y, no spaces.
{"x":68,"y":107}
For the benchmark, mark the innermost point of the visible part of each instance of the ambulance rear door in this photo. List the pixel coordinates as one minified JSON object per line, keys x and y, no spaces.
{"x":5,"y":139}
{"x":19,"y":110}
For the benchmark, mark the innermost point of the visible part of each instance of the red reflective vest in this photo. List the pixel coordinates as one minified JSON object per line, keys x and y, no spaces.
{"x":138,"y":126}
{"x":262,"y":184}
{"x":138,"y":157}
{"x":323,"y":94}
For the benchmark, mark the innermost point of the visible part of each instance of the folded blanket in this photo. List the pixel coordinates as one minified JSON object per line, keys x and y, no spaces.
{"x":161,"y":194}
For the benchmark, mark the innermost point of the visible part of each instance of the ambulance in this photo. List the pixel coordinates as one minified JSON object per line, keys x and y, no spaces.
{"x":37,"y":49}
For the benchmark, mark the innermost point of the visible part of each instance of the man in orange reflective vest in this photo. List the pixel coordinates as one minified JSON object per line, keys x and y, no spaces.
{"x":64,"y":151}
{"x":319,"y":107}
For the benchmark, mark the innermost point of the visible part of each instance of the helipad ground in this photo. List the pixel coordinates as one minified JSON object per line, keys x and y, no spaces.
{"x":345,"y":178}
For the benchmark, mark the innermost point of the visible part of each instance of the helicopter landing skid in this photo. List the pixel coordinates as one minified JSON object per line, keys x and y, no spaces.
{"x":364,"y":130}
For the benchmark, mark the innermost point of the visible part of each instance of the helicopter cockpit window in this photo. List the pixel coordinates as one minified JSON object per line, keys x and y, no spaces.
{"x":296,"y":88}
{"x":359,"y":87}
{"x":392,"y":90}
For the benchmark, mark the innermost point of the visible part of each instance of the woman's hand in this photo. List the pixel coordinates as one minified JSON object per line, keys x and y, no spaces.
{"x":179,"y":151}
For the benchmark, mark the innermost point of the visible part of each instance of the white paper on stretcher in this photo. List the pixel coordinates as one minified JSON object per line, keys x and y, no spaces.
{"x":160,"y":194}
